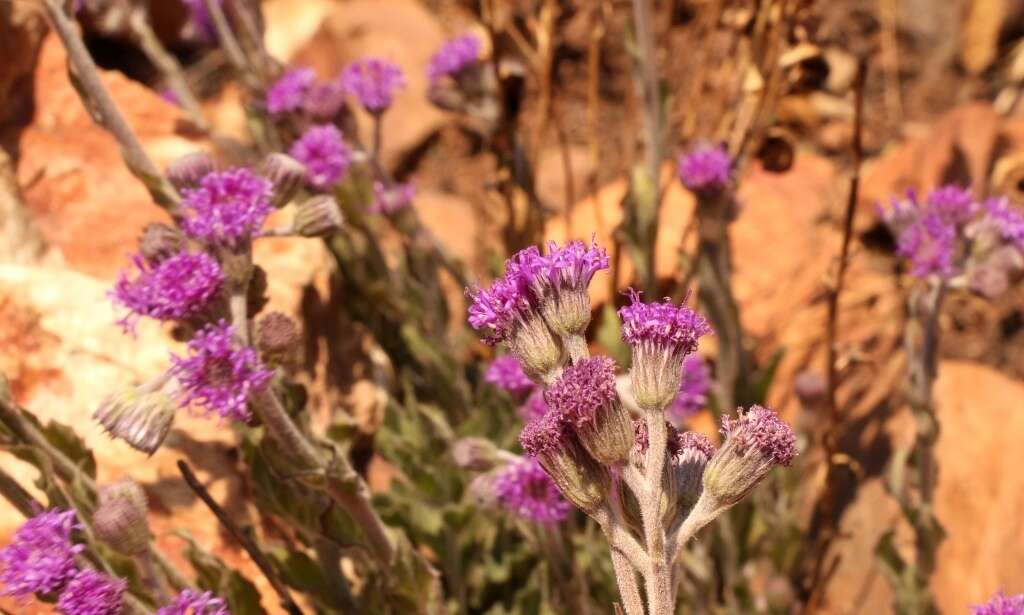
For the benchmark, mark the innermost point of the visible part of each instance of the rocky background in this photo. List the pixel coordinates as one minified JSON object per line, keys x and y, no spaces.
{"x":942,"y":105}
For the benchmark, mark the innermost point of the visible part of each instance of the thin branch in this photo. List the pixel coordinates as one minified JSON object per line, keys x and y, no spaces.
{"x":105,"y":112}
{"x":244,"y":538}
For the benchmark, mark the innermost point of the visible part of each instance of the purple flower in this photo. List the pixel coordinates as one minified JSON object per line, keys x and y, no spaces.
{"x":544,"y":434}
{"x":952,"y":204}
{"x":388,"y":201}
{"x":92,"y":593}
{"x":41,"y":557}
{"x":202,"y":19}
{"x":323,"y":101}
{"x":227,"y":208}
{"x":1001,"y":604}
{"x":289,"y":92}
{"x":692,"y":443}
{"x":761,"y":430}
{"x":191,"y":602}
{"x":929,"y":243}
{"x":673,"y":328}
{"x":706,"y":167}
{"x":374,"y":82}
{"x":525,"y":489}
{"x":454,"y":57}
{"x":177,"y":288}
{"x":506,"y":373}
{"x":534,"y":407}
{"x":582,"y":389}
{"x":1006,"y":220}
{"x":496,"y":309}
{"x":693,"y":392}
{"x":218,"y":374}
{"x":558,"y":282}
{"x":324,"y":153}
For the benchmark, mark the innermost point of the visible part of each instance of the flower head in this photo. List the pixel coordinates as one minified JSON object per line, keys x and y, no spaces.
{"x":662,"y":335}
{"x":374,"y":82}
{"x":192,"y":602}
{"x":218,"y":375}
{"x":324,"y":100}
{"x":390,"y":200}
{"x":506,"y":373}
{"x":289,"y":92}
{"x":1006,"y":220}
{"x":227,"y":208}
{"x":1001,"y":604}
{"x":120,"y":517}
{"x":525,"y":489}
{"x":201,"y":18}
{"x":179,"y":287}
{"x":952,"y":204}
{"x":693,"y":390}
{"x":324,"y":153}
{"x":706,"y":167}
{"x":92,"y":593}
{"x":41,"y":557}
{"x":930,"y":244}
{"x":454,"y":56}
{"x":550,"y":440}
{"x":582,"y":389}
{"x":558,"y":282}
{"x":760,"y":430}
{"x":141,"y":417}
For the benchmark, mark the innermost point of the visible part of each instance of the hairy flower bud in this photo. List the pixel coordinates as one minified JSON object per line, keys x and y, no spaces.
{"x":755,"y":442}
{"x":585,"y":395}
{"x":661,"y":335}
{"x":477,"y":454}
{"x":120,"y":518}
{"x":581,"y":480}
{"x":159,"y":242}
{"x":139,"y":417}
{"x":318,"y":216}
{"x":187,"y":171}
{"x":536,"y":348}
{"x":694,"y":450}
{"x":558,"y":282}
{"x":277,"y":337}
{"x":287,"y":175}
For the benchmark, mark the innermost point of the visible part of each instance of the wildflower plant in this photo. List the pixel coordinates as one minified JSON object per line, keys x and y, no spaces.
{"x":630,"y":480}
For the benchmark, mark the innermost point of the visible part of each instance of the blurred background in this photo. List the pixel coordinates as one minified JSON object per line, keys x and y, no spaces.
{"x":772,"y":79}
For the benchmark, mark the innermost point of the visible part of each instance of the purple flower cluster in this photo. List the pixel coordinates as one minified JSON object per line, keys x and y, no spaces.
{"x":1001,"y":604}
{"x":289,"y":92}
{"x":496,"y":309}
{"x":92,"y":593}
{"x":693,"y":392}
{"x":390,"y":200}
{"x":374,"y":82}
{"x":227,"y":208}
{"x":582,"y":389}
{"x":706,"y":167}
{"x":1006,"y":220}
{"x":41,"y":558}
{"x":675,"y":329}
{"x":534,"y":407}
{"x":525,"y":489}
{"x":761,"y":429}
{"x":176,"y":288}
{"x":543,"y":434}
{"x":324,"y":153}
{"x":693,"y":443}
{"x":218,"y":374}
{"x":454,"y":56}
{"x":507,"y":373}
{"x":191,"y":602}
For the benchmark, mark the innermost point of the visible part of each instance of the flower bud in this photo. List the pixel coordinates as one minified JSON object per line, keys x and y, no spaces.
{"x":277,"y":337}
{"x":160,"y":241}
{"x":483,"y":490}
{"x":187,"y":171}
{"x":140,"y":418}
{"x":585,"y":396}
{"x":581,"y":480}
{"x":661,"y":336}
{"x":559,"y":282}
{"x":477,"y":454}
{"x":755,"y":442}
{"x":318,"y":216}
{"x":693,"y":451}
{"x":537,"y":349}
{"x":120,"y":517}
{"x":287,"y":175}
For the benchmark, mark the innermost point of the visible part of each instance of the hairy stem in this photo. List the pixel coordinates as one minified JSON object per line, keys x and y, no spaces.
{"x":657,"y":577}
{"x":150,"y":578}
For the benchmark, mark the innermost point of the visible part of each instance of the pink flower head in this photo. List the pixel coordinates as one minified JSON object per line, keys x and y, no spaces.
{"x":582,"y":389}
{"x":324,"y":153}
{"x":454,"y":56}
{"x":675,"y":329}
{"x":192,"y":602}
{"x":92,"y":593}
{"x":289,"y":92}
{"x":525,"y":489}
{"x":41,"y":558}
{"x":227,"y":208}
{"x":374,"y":82}
{"x":177,"y":288}
{"x":760,"y":429}
{"x":706,"y":167}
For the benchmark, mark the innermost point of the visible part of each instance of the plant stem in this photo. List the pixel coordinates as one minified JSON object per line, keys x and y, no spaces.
{"x":150,"y":578}
{"x":658,"y":575}
{"x":230,"y":45}
{"x":629,"y":591}
{"x":104,"y":110}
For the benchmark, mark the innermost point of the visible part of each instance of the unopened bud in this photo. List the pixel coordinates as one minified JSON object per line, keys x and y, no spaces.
{"x":187,"y":171}
{"x":160,"y":241}
{"x":120,"y":518}
{"x":582,"y":481}
{"x":318,"y":216}
{"x":755,"y":442}
{"x":277,"y":337}
{"x":140,"y":418}
{"x":287,"y":174}
{"x":694,"y":450}
{"x":476,"y":454}
{"x":810,"y":387}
